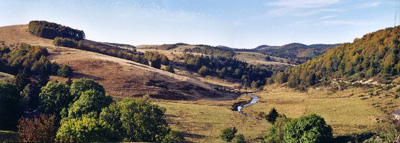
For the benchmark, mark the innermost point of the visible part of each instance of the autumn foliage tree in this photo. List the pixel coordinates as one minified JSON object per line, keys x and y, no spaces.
{"x":41,"y":129}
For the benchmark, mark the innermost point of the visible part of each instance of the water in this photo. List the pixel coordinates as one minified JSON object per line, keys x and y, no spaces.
{"x":254,"y":100}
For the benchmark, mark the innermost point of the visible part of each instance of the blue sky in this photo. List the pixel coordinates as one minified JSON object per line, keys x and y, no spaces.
{"x":235,"y":23}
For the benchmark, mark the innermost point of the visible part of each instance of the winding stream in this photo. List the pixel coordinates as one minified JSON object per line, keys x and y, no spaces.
{"x":254,"y":100}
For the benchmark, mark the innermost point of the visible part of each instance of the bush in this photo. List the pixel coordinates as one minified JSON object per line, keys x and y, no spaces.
{"x":310,"y":128}
{"x":65,"y":71}
{"x":10,"y":105}
{"x":31,"y":97}
{"x":37,"y":129}
{"x":65,"y":42}
{"x":137,"y":121}
{"x":173,"y":137}
{"x":276,"y":132}
{"x":170,"y":69}
{"x":228,"y":134}
{"x":85,"y":130}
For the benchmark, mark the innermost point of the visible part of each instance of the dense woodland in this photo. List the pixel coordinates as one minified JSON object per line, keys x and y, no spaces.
{"x":52,"y":30}
{"x":210,"y":50}
{"x":375,"y":54}
{"x":249,"y":75}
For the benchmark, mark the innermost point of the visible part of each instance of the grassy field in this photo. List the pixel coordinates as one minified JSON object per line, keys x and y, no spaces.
{"x":346,"y":110}
{"x":203,"y":122}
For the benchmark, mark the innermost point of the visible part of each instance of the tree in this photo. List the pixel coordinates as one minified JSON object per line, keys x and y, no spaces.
{"x":277,"y":131}
{"x":310,"y":128}
{"x":22,"y":79}
{"x":85,"y":130}
{"x":203,"y":71}
{"x":272,"y":115}
{"x":37,"y":129}
{"x":91,"y":101}
{"x":240,"y":139}
{"x":156,"y":63}
{"x":31,"y":96}
{"x":173,"y":137}
{"x":54,"y":98}
{"x":137,"y":120}
{"x":228,"y":134}
{"x":65,"y":71}
{"x":10,"y":109}
{"x":43,"y":77}
{"x":83,"y":85}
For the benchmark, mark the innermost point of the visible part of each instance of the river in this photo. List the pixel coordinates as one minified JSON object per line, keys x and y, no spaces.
{"x":254,"y":100}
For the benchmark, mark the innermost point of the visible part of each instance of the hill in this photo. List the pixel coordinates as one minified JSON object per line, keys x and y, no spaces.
{"x":374,"y":55}
{"x":296,"y":53}
{"x":119,"y":76}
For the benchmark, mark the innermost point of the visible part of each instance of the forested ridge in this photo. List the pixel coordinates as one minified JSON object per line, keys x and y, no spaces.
{"x":375,"y":54}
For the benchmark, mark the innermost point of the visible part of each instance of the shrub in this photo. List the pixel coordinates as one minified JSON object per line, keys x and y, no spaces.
{"x":10,"y":109}
{"x":65,"y":42}
{"x":170,"y":69}
{"x":228,"y":134}
{"x":173,"y":137}
{"x":31,"y":96}
{"x":85,"y":130}
{"x":65,"y":71}
{"x":310,"y":128}
{"x":240,"y":139}
{"x":276,"y":132}
{"x":37,"y":129}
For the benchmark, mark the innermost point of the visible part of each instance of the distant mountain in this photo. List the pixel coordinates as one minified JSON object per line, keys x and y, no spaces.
{"x":296,"y":52}
{"x":375,"y":54}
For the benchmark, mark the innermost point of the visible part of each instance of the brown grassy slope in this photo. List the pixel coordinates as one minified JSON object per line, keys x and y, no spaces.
{"x":120,"y":77}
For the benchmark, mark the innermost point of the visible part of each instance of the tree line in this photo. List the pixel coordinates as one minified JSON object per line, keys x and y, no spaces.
{"x":225,"y":67}
{"x":52,"y":30}
{"x":374,"y":55}
{"x":80,"y":112}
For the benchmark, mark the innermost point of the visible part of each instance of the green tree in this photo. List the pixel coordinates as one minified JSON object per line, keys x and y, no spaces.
{"x":22,"y":79}
{"x":10,"y":109}
{"x":85,"y":130}
{"x":54,"y":98}
{"x":156,"y":63}
{"x":65,"y":71}
{"x":137,"y":121}
{"x":277,"y":131}
{"x":311,"y":129}
{"x":31,"y":96}
{"x":83,"y":85}
{"x":272,"y":115}
{"x":173,"y":137}
{"x":91,"y":101}
{"x":228,"y":134}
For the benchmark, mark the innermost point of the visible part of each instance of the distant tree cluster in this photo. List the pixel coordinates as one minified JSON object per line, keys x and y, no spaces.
{"x":209,"y":50}
{"x":80,"y":112}
{"x":375,"y":54}
{"x":120,"y":53}
{"x":52,"y":30}
{"x":156,"y":59}
{"x":26,"y":60}
{"x":249,"y":75}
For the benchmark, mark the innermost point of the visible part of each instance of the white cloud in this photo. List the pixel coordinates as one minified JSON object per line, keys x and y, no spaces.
{"x":301,"y":8}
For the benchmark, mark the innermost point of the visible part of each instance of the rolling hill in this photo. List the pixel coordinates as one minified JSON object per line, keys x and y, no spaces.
{"x":374,"y":55}
{"x":119,"y":76}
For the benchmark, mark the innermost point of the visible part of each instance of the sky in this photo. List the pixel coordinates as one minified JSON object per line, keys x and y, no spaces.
{"x":234,"y":23}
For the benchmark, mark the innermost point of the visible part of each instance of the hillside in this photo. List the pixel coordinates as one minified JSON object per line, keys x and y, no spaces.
{"x":120,"y":77}
{"x":374,"y":55}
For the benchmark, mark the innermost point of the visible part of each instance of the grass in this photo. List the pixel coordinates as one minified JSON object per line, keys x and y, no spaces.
{"x":345,"y":111}
{"x":203,"y":122}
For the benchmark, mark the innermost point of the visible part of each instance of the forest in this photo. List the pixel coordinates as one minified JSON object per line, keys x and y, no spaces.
{"x":52,"y":30}
{"x":374,"y":55}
